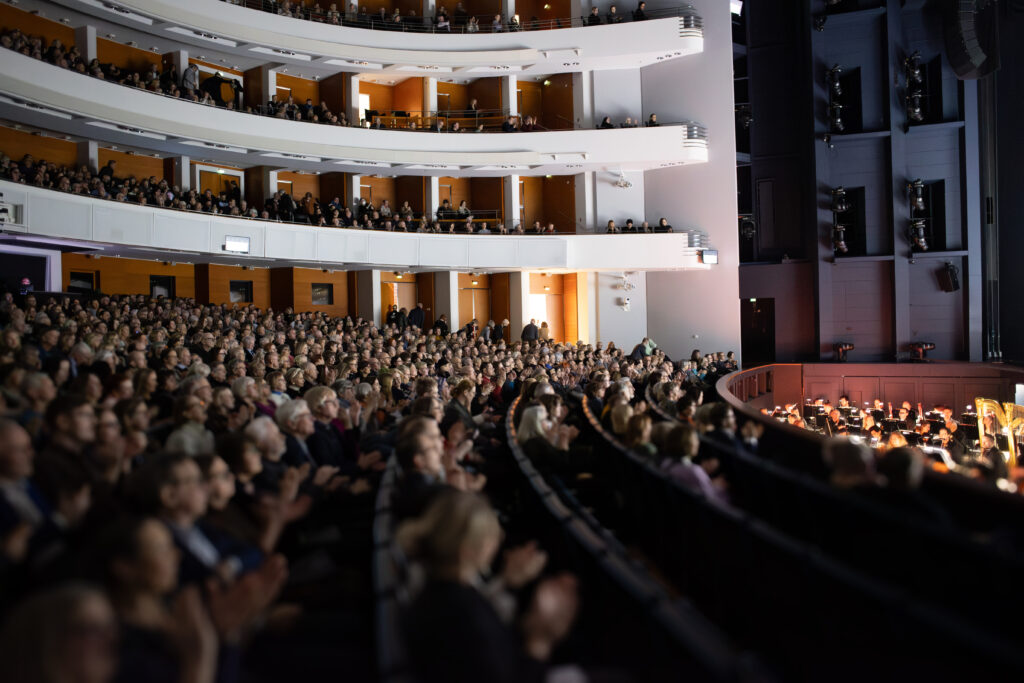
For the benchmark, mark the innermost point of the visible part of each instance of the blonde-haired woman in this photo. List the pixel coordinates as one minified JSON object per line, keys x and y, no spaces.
{"x":453,"y":632}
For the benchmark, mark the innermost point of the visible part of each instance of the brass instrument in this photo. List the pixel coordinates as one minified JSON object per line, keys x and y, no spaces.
{"x":1010,"y":418}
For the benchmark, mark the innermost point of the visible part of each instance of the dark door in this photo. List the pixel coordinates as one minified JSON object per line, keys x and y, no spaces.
{"x":757,"y":322}
{"x":161,"y":285}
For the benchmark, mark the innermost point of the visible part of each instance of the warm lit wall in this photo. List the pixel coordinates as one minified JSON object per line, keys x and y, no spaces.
{"x":17,"y":143}
{"x":252,"y":82}
{"x":128,"y":276}
{"x":560,"y":202}
{"x":377,"y":190}
{"x":332,"y":185}
{"x":531,"y":195}
{"x":126,"y":57}
{"x":480,"y":7}
{"x":474,"y":298}
{"x":298,"y":184}
{"x":551,"y":286}
{"x":410,"y":189}
{"x":302,"y":288}
{"x":373,"y":6}
{"x":531,"y":98}
{"x":556,"y":9}
{"x":138,"y":165}
{"x":487,"y":195}
{"x":501,"y":304}
{"x":408,"y":95}
{"x":570,"y":308}
{"x":213,"y":284}
{"x":381,"y":96}
{"x":332,"y":91}
{"x":557,"y":103}
{"x":215,"y":182}
{"x":12,"y":18}
{"x":301,"y":88}
{"x":487,"y":92}
{"x":455,"y":190}
{"x":457,"y":96}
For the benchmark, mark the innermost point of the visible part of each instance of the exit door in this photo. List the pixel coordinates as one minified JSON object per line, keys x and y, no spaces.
{"x":757,"y":322}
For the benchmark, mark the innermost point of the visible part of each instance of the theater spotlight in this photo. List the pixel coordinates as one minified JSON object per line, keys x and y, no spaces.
{"x":912,"y":69}
{"x":916,"y":190}
{"x":921,"y":349}
{"x":832,"y":78}
{"x":916,"y":236}
{"x":914,"y":112}
{"x":839,"y":202}
{"x":836,"y":117}
{"x":839,"y":239}
{"x":841,"y":349}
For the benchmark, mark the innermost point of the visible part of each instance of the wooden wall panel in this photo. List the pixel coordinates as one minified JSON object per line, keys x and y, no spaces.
{"x":302,"y":286}
{"x":554,"y":282}
{"x":381,"y":96}
{"x":487,"y":195}
{"x":410,"y":189}
{"x":455,"y":190}
{"x":548,"y":10}
{"x":556,"y":316}
{"x":824,"y":388}
{"x":452,"y":96}
{"x":353,"y":293}
{"x":254,"y":95}
{"x":531,"y":195}
{"x":128,"y":276}
{"x":138,"y":165}
{"x":217,"y":281}
{"x":282,"y":292}
{"x":332,"y":91}
{"x":300,"y":88}
{"x":861,"y":390}
{"x":480,"y":8}
{"x":332,"y":185}
{"x":501,"y":305}
{"x":390,"y":276}
{"x":373,"y":6}
{"x":425,"y":294}
{"x":487,"y":92}
{"x":17,"y":143}
{"x":377,"y":189}
{"x":408,"y":95}
{"x":126,"y":57}
{"x":559,"y":200}
{"x":298,"y":184}
{"x":467,"y":281}
{"x":531,"y":98}
{"x":558,"y":102}
{"x":13,"y":18}
{"x":570,"y":314}
{"x":465,"y":307}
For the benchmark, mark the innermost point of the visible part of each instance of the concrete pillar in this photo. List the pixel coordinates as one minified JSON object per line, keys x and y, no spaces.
{"x":182,"y":177}
{"x":88,"y":154}
{"x":430,"y":94}
{"x":508,"y":8}
{"x":446,"y":296}
{"x":511,"y":202}
{"x":583,"y":99}
{"x":519,"y":303}
{"x":585,"y":213}
{"x":368,"y":286}
{"x":431,"y":195}
{"x":180,"y":60}
{"x":429,"y":7}
{"x":351,"y":86}
{"x":268,"y":81}
{"x":509,"y":99}
{"x":85,"y":41}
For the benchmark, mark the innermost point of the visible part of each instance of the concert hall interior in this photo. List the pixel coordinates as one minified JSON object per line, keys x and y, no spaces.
{"x":692,"y":355}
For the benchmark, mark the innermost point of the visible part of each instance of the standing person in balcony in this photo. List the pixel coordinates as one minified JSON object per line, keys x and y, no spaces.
{"x":496,"y":25}
{"x":190,"y":79}
{"x":442,"y":22}
{"x":613,"y":16}
{"x":513,"y":23}
{"x":460,"y":16}
{"x":640,"y":14}
{"x":595,"y":17}
{"x":652,"y":120}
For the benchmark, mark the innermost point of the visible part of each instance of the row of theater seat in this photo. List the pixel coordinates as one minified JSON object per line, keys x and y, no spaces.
{"x":810,"y":615}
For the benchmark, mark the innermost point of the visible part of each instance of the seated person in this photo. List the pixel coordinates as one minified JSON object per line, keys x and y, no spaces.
{"x":510,"y":125}
{"x":629,"y":227}
{"x":663,"y":226}
{"x":606,"y":123}
{"x":613,"y":16}
{"x":612,"y":228}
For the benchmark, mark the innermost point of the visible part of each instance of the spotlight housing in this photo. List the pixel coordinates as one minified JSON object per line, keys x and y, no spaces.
{"x":840,"y":204}
{"x":912,"y":69}
{"x":916,"y":234}
{"x":914,"y":111}
{"x":921,"y":349}
{"x":832,"y":78}
{"x":839,"y":240}
{"x":836,"y":117}
{"x":916,"y":190}
{"x":841,"y":349}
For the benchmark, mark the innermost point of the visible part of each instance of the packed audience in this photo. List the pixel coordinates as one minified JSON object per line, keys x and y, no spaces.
{"x":948,"y":442}
{"x":458,"y":21}
{"x":185,"y":490}
{"x":281,"y":206}
{"x":210,"y":90}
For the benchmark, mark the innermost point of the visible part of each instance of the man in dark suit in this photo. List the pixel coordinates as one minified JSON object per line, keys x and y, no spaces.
{"x":442,"y":324}
{"x":531,"y":332}
{"x":417,"y":316}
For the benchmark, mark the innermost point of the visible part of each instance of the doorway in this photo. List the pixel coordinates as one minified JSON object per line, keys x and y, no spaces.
{"x":757,"y":330}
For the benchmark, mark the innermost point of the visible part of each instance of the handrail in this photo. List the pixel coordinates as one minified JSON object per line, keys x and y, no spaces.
{"x":693,"y":24}
{"x":819,"y":584}
{"x":718,"y":658}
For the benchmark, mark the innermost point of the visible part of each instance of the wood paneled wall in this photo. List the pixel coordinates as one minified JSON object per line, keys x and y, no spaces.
{"x":138,"y":165}
{"x":410,"y":189}
{"x":17,"y":143}
{"x":556,"y":301}
{"x":254,"y":95}
{"x":13,"y":18}
{"x":332,"y":185}
{"x":408,"y":95}
{"x":501,"y":303}
{"x":556,"y":9}
{"x":452,"y":96}
{"x":454,"y":189}
{"x":332,"y":91}
{"x":557,"y":105}
{"x":128,"y":276}
{"x":560,"y":202}
{"x":480,"y":7}
{"x":487,"y":92}
{"x":487,"y":194}
{"x":298,"y":184}
{"x":381,"y":96}
{"x":300,"y":88}
{"x":378,"y":189}
{"x":302,"y":287}
{"x":126,"y":57}
{"x":425,"y":288}
{"x":213,"y":284}
{"x":570,"y":308}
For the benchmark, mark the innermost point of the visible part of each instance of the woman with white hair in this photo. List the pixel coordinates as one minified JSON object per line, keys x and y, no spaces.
{"x":545,"y":444}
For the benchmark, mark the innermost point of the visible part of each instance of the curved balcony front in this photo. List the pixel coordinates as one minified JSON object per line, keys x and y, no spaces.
{"x":41,"y":94}
{"x":120,"y":229}
{"x":241,"y":31}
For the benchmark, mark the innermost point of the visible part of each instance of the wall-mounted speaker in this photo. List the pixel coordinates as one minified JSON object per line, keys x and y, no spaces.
{"x":949,"y":278}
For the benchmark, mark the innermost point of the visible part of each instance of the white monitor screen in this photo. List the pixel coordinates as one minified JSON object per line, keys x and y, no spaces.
{"x":238,"y":245}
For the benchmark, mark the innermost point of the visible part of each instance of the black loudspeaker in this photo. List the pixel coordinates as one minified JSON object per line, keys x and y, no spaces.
{"x":972,"y":37}
{"x":949,"y":278}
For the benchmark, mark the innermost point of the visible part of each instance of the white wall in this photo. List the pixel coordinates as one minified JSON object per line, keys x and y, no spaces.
{"x":682,"y":304}
{"x":625,"y":328}
{"x":616,"y":94}
{"x":615,"y":203}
